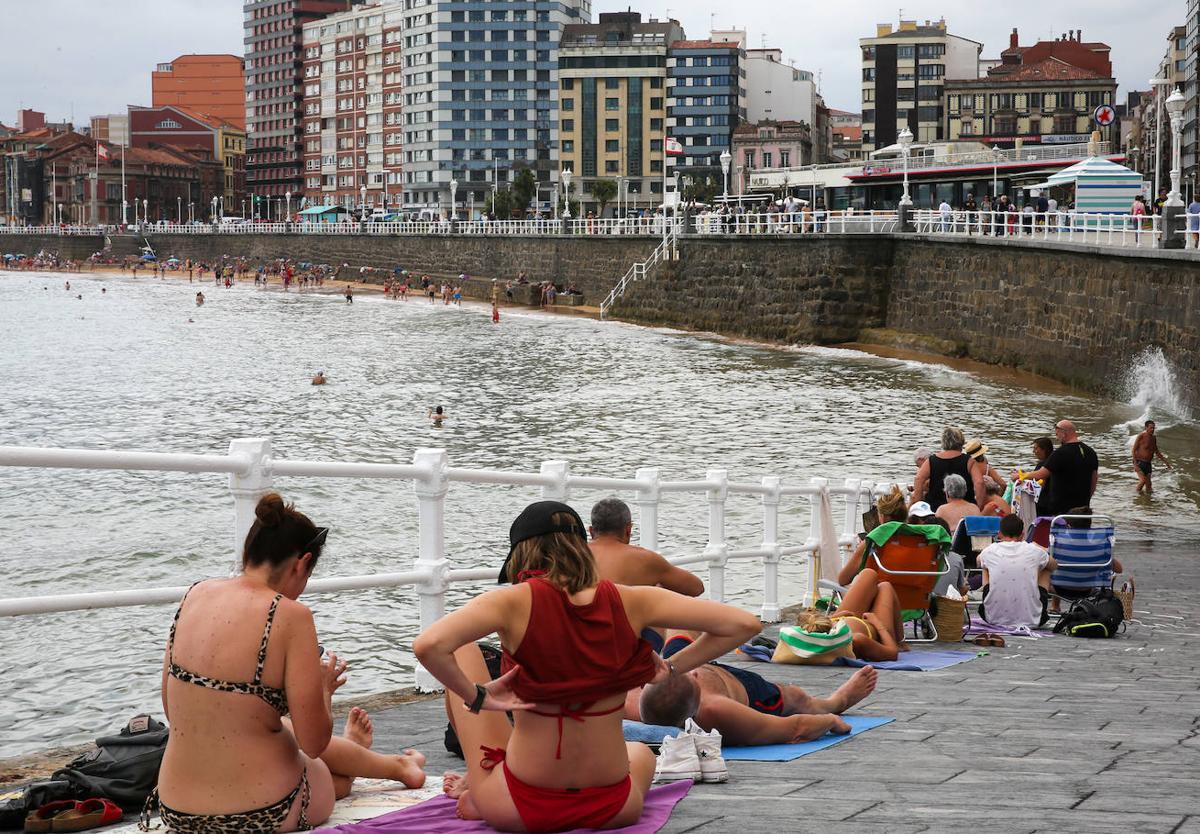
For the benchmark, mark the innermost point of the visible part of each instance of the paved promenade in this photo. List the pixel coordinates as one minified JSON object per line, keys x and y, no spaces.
{"x":1054,"y":735}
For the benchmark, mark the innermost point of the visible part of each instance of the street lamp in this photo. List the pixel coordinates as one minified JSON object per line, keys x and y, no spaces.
{"x":124,"y":212}
{"x":453,"y":199}
{"x":212,"y":214}
{"x":191,"y":212}
{"x":905,"y":138}
{"x":566,"y":180}
{"x":179,"y":210}
{"x":996,"y":155}
{"x":1175,"y":104}
{"x":1158,"y":84}
{"x":362,"y":201}
{"x":287,"y":215}
{"x":145,"y":211}
{"x":726,"y":158}
{"x":135,"y":222}
{"x":243,"y":208}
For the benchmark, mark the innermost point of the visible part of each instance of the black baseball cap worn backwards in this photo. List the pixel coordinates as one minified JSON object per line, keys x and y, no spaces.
{"x":536,"y":520}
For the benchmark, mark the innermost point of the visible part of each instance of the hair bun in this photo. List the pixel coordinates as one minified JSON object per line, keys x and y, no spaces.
{"x":271,"y":509}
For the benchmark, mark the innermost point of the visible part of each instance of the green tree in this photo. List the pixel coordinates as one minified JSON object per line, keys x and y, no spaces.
{"x":604,"y":191}
{"x":502,"y":206}
{"x":524,"y":188}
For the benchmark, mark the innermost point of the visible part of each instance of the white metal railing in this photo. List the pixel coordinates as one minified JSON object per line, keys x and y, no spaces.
{"x":640,"y":269}
{"x":252,"y":471}
{"x":1012,"y":156}
{"x":820,"y":221}
{"x":1144,"y":231}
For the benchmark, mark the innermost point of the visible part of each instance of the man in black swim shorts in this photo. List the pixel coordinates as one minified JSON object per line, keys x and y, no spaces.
{"x":744,"y":707}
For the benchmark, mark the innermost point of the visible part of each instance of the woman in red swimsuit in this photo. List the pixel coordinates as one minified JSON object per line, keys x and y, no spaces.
{"x":571,"y":652}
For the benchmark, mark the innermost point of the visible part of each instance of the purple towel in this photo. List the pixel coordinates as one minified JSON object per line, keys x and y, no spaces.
{"x":436,"y":816}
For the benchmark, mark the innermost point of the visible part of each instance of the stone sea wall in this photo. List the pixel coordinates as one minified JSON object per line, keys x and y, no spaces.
{"x":1074,"y":313}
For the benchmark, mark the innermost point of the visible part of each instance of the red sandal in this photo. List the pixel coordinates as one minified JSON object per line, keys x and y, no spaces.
{"x":86,"y":815}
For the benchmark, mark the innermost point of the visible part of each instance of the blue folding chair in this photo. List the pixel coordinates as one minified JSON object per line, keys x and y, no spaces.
{"x":1082,"y":547}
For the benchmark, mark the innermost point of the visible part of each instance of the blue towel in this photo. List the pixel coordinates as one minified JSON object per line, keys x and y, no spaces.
{"x":787,"y":752}
{"x":913,"y":661}
{"x":647,"y":733}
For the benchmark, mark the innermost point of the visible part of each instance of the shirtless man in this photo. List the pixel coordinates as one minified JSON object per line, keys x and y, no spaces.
{"x":745,"y":708}
{"x":1145,"y":449}
{"x":626,"y":564}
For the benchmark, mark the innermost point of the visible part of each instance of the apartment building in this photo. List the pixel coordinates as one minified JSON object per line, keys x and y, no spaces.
{"x":613,"y":105}
{"x":211,"y":84}
{"x":479,"y":96}
{"x":353,"y":107}
{"x":903,"y":76}
{"x":214,"y":138}
{"x":706,"y":101}
{"x":272,"y":31}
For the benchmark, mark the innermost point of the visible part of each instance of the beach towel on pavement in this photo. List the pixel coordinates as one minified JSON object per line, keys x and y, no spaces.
{"x":647,"y":733}
{"x":436,"y":816}
{"x":787,"y":752}
{"x":915,"y":661}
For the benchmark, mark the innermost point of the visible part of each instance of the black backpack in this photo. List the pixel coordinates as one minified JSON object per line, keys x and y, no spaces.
{"x":1098,"y":615}
{"x":122,"y":768}
{"x":491,"y":656}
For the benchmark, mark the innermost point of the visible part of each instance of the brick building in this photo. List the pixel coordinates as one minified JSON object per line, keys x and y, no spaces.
{"x":210,"y":84}
{"x":353,"y":120}
{"x":273,"y":96}
{"x":214,"y":138}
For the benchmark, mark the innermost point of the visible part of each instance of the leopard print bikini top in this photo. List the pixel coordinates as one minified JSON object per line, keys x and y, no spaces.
{"x":275,"y":698}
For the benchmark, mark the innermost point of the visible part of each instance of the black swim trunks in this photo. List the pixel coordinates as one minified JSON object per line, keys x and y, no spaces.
{"x":764,"y":696}
{"x":1146,"y":466}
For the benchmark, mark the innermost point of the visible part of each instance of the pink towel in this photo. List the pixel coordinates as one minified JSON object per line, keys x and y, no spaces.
{"x":436,"y":816}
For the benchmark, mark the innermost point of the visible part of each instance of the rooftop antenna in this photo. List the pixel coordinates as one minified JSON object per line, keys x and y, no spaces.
{"x":712,"y":22}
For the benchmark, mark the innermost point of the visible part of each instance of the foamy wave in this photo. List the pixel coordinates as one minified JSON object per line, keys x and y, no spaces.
{"x":1152,"y":387}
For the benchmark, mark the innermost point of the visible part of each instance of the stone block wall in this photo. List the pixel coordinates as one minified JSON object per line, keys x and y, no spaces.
{"x":820,"y":289}
{"x":1076,"y":314}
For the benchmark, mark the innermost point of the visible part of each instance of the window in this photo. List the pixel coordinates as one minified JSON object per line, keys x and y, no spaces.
{"x":568,"y":146}
{"x":1035,"y":127}
{"x":868,"y":73}
{"x":785,"y":159}
{"x":656,"y":125}
{"x":968,"y":128}
{"x":1064,"y":124}
{"x":612,"y":84}
{"x":1002,"y":101}
{"x":1033,"y":101}
{"x":931,"y":50}
{"x":930,"y":71}
{"x":612,"y":124}
{"x":868,"y":53}
{"x":567,"y":104}
{"x":767,"y":159}
{"x":1096,"y":98}
{"x":612,"y":104}
{"x":568,"y":125}
{"x":568,"y":84}
{"x":906,"y":52}
{"x":612,"y":145}
{"x":656,"y":103}
{"x":611,"y":166}
{"x":656,"y":83}
{"x":1005,"y":125}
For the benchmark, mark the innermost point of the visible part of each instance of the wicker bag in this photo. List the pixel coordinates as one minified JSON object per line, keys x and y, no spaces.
{"x":949,"y":619}
{"x":1126,"y":594}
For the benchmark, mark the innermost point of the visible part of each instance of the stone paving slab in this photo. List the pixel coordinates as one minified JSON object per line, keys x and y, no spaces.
{"x":1050,"y":735}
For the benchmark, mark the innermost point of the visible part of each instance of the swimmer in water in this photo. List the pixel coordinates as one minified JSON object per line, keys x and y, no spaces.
{"x":80,"y":297}
{"x":103,"y":290}
{"x":319,"y":379}
{"x":437,"y":416}
{"x":68,"y":286}
{"x":199,"y":299}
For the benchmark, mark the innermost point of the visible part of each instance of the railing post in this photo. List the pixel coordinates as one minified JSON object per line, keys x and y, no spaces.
{"x":716,"y":549}
{"x":817,"y":529}
{"x":247,"y":487}
{"x":559,"y":470}
{"x":431,"y":547}
{"x":647,"y":503}
{"x":770,"y":543}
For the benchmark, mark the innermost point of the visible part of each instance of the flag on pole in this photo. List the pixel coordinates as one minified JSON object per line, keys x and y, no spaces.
{"x":673,"y":147}
{"x":101,"y":151}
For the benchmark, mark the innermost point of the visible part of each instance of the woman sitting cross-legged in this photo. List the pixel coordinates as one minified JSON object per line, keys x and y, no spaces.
{"x":242,"y":655}
{"x":872,"y":612}
{"x":571,"y":652}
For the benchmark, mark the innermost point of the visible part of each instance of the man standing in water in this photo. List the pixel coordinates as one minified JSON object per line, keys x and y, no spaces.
{"x":1145,"y":449}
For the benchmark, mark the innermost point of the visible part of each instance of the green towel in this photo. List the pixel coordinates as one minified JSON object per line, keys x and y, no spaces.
{"x":932,"y":533}
{"x":807,"y":644}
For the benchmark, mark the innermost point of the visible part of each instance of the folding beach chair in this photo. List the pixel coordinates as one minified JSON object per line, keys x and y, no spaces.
{"x":972,"y":535}
{"x":1082,"y":545}
{"x":912,"y":563}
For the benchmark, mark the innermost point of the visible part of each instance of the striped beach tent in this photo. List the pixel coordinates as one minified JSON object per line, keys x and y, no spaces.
{"x":1101,"y":186}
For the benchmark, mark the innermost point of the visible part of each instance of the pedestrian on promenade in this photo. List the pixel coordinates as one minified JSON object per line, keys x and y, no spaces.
{"x":1145,"y":449}
{"x":985,"y":217}
{"x":1193,"y":216}
{"x":1073,"y":468}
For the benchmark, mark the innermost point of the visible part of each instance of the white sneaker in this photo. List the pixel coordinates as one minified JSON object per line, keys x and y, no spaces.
{"x":708,"y":750}
{"x":678,"y":760}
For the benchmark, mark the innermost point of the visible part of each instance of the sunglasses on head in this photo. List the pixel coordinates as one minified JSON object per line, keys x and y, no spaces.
{"x":317,"y":540}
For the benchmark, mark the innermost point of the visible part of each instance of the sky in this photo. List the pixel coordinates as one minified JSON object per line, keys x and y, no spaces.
{"x":74,"y":59}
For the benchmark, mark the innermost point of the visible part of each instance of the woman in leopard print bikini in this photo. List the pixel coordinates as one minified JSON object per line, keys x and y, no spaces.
{"x":228,"y":752}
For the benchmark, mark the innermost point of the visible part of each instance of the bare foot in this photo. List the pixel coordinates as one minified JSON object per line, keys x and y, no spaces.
{"x":840,"y":727}
{"x":861,"y":684}
{"x":359,"y":728}
{"x":466,"y":808}
{"x":454,"y":784}
{"x":408,"y":769}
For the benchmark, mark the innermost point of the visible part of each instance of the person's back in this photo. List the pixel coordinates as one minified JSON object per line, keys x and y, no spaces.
{"x":941,"y":464}
{"x":1016,"y":578}
{"x":1074,"y":467}
{"x":623,"y":563}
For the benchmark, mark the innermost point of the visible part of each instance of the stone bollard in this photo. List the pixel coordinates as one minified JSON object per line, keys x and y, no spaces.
{"x":1174,"y":220}
{"x":566,"y":225}
{"x":906,"y":224}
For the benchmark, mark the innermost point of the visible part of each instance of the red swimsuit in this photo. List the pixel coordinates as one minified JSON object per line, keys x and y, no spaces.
{"x":573,"y":656}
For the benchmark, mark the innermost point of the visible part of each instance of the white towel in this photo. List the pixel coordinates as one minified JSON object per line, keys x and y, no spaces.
{"x":827,"y":544}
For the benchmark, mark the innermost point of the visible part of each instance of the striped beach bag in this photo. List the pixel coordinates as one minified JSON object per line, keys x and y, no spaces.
{"x":814,"y":648}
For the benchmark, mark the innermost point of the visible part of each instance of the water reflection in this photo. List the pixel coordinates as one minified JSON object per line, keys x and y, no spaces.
{"x":128,"y":370}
